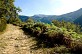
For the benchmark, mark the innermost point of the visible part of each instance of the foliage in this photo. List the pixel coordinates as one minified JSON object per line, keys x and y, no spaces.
{"x":76,"y":48}
{"x":62,"y":49}
{"x":67,"y":25}
{"x":54,"y":35}
{"x":2,"y":24}
{"x":15,"y":21}
{"x":30,"y":20}
{"x":8,"y":11}
{"x":49,"y":34}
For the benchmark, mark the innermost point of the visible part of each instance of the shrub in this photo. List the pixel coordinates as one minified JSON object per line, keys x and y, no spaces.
{"x":23,"y":24}
{"x":67,"y":25}
{"x":2,"y":24}
{"x":37,"y":31}
{"x":49,"y":34}
{"x":77,"y":48}
{"x":60,"y":50}
{"x":58,"y":38}
{"x":14,"y":21}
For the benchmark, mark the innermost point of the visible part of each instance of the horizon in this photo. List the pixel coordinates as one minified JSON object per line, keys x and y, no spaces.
{"x":47,"y":14}
{"x":47,"y":7}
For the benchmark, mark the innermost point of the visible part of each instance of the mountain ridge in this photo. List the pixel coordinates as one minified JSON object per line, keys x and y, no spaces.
{"x":69,"y":17}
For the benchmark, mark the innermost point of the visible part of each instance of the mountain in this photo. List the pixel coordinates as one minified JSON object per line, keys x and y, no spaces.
{"x":78,"y":20}
{"x":44,"y":18}
{"x":70,"y":17}
{"x":23,"y":18}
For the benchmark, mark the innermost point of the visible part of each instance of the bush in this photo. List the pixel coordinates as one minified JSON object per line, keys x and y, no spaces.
{"x":49,"y":34}
{"x":77,"y":48}
{"x":57,"y":38}
{"x":2,"y":24}
{"x":14,"y":21}
{"x":67,"y":25}
{"x":60,"y":50}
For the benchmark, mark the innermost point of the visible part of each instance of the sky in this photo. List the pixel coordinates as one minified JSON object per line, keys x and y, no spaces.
{"x":47,"y":7}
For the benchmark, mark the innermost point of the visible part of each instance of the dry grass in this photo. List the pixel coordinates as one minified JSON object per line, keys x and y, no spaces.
{"x":14,"y":41}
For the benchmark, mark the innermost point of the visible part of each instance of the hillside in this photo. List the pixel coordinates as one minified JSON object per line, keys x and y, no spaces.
{"x":78,"y":20}
{"x":44,"y":18}
{"x":14,"y":40}
{"x":48,"y":18}
{"x":23,"y":18}
{"x":72,"y":15}
{"x":38,"y":34}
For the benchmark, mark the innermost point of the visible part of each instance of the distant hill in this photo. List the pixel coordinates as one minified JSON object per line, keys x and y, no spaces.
{"x":78,"y":20}
{"x":44,"y":18}
{"x":70,"y":17}
{"x":23,"y":18}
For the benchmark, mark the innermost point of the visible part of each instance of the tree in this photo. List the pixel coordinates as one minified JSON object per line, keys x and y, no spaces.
{"x":30,"y":20}
{"x":8,"y":11}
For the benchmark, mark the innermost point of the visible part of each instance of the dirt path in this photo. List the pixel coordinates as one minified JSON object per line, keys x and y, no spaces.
{"x":14,"y":41}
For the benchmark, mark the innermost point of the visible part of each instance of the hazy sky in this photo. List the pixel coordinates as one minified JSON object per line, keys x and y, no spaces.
{"x":48,"y":7}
